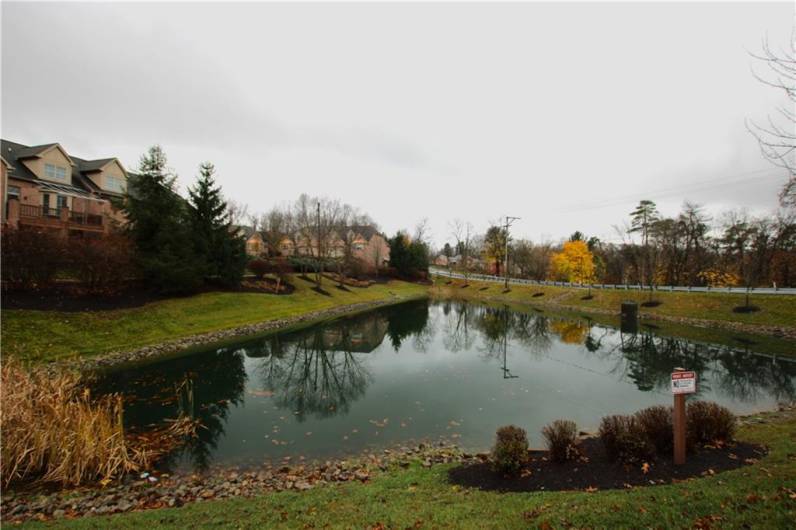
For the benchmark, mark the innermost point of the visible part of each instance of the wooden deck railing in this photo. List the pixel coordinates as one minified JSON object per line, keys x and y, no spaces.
{"x":34,"y":211}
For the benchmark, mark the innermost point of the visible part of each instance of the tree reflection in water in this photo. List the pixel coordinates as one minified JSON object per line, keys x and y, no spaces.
{"x":645,"y":358}
{"x":320,"y":371}
{"x":202,"y":387}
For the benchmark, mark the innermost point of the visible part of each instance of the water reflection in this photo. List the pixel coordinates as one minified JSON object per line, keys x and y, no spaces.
{"x":329,"y":377}
{"x":203,"y":388}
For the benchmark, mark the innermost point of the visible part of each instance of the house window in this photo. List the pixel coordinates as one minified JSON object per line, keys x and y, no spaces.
{"x":61,"y":202}
{"x":55,"y":172}
{"x":114,"y":183}
{"x":13,"y":192}
{"x":45,"y":204}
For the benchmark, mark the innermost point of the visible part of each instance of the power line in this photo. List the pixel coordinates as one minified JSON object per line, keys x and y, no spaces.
{"x":664,"y":192}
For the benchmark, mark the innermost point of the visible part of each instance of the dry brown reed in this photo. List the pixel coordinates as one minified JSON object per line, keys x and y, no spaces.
{"x":54,"y":431}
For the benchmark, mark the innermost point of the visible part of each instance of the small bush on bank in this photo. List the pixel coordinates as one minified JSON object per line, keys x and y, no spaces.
{"x":511,"y":449}
{"x":560,"y":437}
{"x":708,"y":422}
{"x":259,"y":267}
{"x":656,"y":422}
{"x":624,"y":439}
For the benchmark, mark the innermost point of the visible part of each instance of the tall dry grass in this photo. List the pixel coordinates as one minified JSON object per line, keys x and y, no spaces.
{"x":53,"y":431}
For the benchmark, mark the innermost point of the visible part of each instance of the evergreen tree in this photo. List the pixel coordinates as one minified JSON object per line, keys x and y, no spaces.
{"x":221,"y":252}
{"x":157,"y":224}
{"x":409,"y":257}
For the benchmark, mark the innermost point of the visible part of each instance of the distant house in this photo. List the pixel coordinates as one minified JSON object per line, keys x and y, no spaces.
{"x":369,"y":246}
{"x":441,"y":260}
{"x":45,"y":187}
{"x":364,"y":243}
{"x":255,"y":243}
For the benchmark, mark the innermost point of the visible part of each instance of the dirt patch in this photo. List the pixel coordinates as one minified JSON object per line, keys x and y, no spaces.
{"x":651,"y":303}
{"x":349,"y":281}
{"x":593,"y":470}
{"x":745,"y":309}
{"x":537,"y":295}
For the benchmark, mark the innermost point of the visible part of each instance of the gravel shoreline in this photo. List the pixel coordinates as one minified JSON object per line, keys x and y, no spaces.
{"x":152,"y":490}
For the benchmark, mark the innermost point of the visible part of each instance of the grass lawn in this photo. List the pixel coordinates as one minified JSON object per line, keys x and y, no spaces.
{"x":757,"y":496}
{"x":49,"y":335}
{"x":775,"y":310}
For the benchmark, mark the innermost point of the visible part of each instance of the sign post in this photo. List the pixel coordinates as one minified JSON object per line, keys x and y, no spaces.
{"x":683,"y":382}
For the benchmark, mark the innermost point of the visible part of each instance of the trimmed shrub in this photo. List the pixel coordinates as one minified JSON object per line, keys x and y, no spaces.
{"x":624,"y":439}
{"x":511,"y":450}
{"x":259,"y":268}
{"x":656,"y":422}
{"x":560,"y":437}
{"x":708,"y":422}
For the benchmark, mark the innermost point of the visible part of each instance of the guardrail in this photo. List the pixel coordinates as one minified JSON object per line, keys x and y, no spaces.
{"x":620,"y":287}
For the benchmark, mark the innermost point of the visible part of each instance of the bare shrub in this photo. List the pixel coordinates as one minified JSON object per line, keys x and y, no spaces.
{"x":511,"y":449}
{"x":103,"y":264}
{"x":259,"y":268}
{"x":624,"y":439}
{"x":657,"y":424}
{"x":31,"y":258}
{"x":560,"y":437}
{"x":708,"y":422}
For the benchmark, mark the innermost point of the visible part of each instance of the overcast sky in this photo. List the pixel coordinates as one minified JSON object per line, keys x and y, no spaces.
{"x":562,"y":114}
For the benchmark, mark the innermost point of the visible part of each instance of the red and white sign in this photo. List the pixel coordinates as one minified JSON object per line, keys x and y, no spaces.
{"x":683,"y":382}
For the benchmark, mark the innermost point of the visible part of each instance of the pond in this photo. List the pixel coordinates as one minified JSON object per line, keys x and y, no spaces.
{"x":427,"y":371}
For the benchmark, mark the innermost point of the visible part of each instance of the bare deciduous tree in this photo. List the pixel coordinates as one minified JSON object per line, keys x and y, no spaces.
{"x":777,"y":138}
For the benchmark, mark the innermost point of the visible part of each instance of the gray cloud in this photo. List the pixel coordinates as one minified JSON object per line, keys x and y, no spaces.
{"x":561,"y":114}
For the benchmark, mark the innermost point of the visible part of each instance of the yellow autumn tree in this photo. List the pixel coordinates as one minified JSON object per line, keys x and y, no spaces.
{"x":570,"y":332}
{"x":575,"y":263}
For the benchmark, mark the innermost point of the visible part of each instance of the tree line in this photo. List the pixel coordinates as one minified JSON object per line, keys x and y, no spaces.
{"x":689,"y":249}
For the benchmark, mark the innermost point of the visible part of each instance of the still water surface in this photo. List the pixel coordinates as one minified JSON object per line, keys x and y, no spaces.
{"x":424,"y":371}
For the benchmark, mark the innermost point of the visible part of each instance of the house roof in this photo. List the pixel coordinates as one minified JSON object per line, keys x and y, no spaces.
{"x":36,"y":150}
{"x":366,"y":231}
{"x":87,"y":166}
{"x":13,"y":153}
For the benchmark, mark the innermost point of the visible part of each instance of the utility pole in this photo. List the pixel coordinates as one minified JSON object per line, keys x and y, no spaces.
{"x":318,"y":268}
{"x":509,"y":221}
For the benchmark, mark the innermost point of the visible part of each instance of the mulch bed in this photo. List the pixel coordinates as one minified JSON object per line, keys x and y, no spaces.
{"x":265,"y":285}
{"x":593,"y":470}
{"x":73,"y":300}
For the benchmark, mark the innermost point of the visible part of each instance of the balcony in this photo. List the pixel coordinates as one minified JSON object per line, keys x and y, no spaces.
{"x":61,"y":218}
